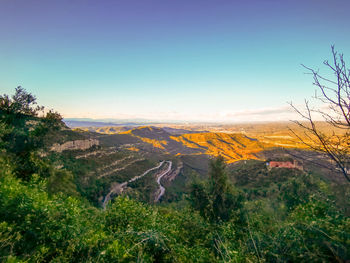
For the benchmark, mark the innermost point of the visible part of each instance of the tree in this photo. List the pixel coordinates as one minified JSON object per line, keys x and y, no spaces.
{"x":22,"y":131}
{"x":216,"y":200}
{"x":334,"y":95}
{"x":21,"y":103}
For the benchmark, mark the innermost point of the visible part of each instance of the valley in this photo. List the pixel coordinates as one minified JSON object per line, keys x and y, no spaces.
{"x":119,"y":188}
{"x":128,"y":161}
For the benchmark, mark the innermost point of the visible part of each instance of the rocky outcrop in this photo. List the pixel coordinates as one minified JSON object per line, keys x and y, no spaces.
{"x":75,"y":145}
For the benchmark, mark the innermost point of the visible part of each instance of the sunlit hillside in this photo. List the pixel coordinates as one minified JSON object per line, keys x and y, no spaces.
{"x":233,"y":142}
{"x":232,"y":147}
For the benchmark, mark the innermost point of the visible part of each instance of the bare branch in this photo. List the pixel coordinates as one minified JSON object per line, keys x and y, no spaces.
{"x":336,"y":95}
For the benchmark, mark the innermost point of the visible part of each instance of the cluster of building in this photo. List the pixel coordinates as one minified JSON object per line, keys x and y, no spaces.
{"x":286,"y":164}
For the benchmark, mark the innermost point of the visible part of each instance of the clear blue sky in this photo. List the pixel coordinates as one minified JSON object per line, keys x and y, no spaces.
{"x":194,"y":60}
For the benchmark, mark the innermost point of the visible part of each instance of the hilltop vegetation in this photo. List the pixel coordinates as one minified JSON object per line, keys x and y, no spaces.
{"x":50,"y":202}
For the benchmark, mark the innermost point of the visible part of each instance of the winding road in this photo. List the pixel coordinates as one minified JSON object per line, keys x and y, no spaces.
{"x":159,"y":177}
{"x":119,"y":187}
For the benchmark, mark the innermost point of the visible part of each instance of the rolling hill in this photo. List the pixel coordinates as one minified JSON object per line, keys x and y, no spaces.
{"x":104,"y":159}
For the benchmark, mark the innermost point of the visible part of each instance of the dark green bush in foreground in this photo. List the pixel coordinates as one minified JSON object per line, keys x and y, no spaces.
{"x":39,"y":227}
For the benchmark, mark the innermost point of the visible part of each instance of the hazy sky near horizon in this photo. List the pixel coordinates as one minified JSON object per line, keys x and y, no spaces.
{"x":169,"y":60}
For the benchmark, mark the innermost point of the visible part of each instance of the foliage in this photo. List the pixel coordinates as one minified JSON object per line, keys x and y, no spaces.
{"x":37,"y":227}
{"x":46,"y":228}
{"x":22,"y":132}
{"x":216,"y":200}
{"x":61,"y":181}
